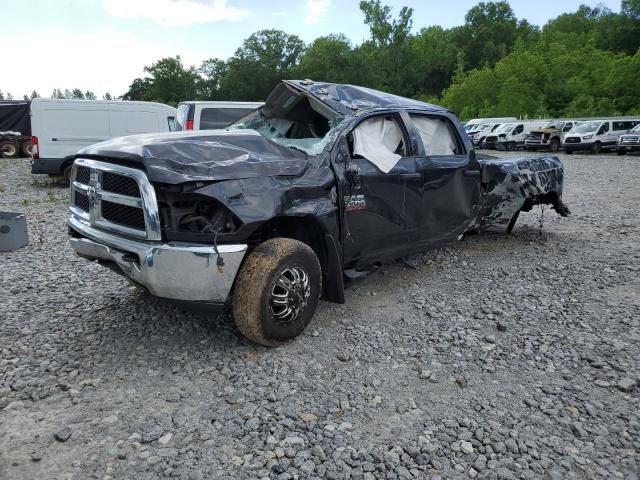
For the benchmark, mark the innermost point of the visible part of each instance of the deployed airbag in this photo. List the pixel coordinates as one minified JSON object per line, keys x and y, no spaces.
{"x":377,"y":140}
{"x":436,"y":136}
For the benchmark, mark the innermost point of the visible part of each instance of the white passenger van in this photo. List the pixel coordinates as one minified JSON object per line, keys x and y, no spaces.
{"x":61,"y":127}
{"x":597,"y":135}
{"x":211,"y":115}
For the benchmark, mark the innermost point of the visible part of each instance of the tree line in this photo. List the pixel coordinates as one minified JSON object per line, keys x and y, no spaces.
{"x":584,"y":63}
{"x":74,"y":93}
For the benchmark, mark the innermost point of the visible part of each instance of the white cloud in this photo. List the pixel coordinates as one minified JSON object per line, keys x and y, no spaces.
{"x":101,"y":61}
{"x":315,"y":9}
{"x":175,"y":12}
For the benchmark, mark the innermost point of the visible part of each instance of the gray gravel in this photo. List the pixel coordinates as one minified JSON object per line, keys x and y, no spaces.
{"x":501,"y":357}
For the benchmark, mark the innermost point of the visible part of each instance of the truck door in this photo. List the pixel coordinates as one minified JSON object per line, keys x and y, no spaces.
{"x":380,"y":184}
{"x":450,"y":189}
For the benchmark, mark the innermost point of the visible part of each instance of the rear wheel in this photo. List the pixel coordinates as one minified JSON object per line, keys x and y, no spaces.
{"x":554,"y":145}
{"x":26,"y":148}
{"x":596,"y":148}
{"x":569,"y":152}
{"x":277,"y":291}
{"x":620,"y":151}
{"x":8,"y":149}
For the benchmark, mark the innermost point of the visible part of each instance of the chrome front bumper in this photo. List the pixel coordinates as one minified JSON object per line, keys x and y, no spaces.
{"x":181,"y":271}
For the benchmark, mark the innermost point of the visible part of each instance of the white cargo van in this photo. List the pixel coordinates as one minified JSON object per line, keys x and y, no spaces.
{"x":597,"y":135}
{"x":513,"y":138}
{"x":474,"y":122}
{"x":211,"y":115}
{"x":61,"y":127}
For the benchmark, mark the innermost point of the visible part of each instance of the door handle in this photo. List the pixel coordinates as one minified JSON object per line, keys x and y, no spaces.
{"x":54,"y":139}
{"x":414,"y":176}
{"x":471,"y":173}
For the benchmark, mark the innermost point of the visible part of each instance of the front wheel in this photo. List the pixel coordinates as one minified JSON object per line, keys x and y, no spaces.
{"x":596,"y":148}
{"x":620,"y":151}
{"x":554,"y":145}
{"x":277,"y":291}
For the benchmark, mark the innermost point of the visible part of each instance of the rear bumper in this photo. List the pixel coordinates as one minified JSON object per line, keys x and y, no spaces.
{"x":52,"y":166}
{"x":180,"y":271}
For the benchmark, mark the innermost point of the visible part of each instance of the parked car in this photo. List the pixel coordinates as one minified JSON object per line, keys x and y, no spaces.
{"x":629,"y":142}
{"x":211,"y":115}
{"x":491,"y":140}
{"x":513,"y":138}
{"x":272,"y":211}
{"x":474,"y":122}
{"x":61,"y":127}
{"x":15,"y":128}
{"x":597,"y":135}
{"x":549,"y":136}
{"x":478,"y":138}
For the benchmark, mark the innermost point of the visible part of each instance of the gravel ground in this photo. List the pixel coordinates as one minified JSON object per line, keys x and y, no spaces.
{"x":501,"y":357}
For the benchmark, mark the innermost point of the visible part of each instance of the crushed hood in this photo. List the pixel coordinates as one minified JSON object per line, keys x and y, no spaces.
{"x":209,"y":155}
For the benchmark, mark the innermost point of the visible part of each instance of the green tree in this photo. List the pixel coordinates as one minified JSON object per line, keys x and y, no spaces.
{"x":34,"y":94}
{"x":264,"y":59}
{"x":89,"y":95}
{"x":213,"y":72}
{"x":329,"y":59}
{"x":76,"y":93}
{"x":107,"y":96}
{"x":168,"y":81}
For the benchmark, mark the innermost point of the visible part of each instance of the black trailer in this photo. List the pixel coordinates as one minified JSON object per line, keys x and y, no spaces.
{"x":15,"y":128}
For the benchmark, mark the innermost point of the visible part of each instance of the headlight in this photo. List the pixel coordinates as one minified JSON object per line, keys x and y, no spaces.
{"x":587,"y":137}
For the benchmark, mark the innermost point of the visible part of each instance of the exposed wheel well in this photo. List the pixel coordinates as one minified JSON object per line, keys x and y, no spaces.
{"x":308,"y":230}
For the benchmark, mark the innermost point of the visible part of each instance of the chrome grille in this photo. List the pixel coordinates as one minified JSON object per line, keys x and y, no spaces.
{"x":123,"y":215}
{"x":630,"y":139}
{"x":112,"y":182}
{"x":83,"y":175}
{"x":115,"y":198}
{"x":81,"y":201}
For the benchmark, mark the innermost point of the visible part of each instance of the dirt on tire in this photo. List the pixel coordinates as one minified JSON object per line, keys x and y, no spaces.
{"x":254,"y":278}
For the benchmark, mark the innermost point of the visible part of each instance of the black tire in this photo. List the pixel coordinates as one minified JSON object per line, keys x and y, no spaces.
{"x":619,"y":151}
{"x":511,"y":146}
{"x":554,"y":145}
{"x":596,"y":148}
{"x":569,"y":152}
{"x":26,"y":149}
{"x":260,"y":301}
{"x":8,"y":149}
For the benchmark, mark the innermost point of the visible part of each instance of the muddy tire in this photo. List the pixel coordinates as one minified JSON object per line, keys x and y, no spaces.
{"x":277,"y":291}
{"x":554,"y":145}
{"x":66,"y":173}
{"x":596,"y":148}
{"x":8,"y":149}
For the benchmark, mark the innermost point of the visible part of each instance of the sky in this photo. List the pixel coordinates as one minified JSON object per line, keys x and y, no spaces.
{"x":102,"y":45}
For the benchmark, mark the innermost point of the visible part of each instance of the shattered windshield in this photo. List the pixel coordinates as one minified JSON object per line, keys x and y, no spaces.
{"x":587,"y":127}
{"x":552,"y":125}
{"x":310,"y":136}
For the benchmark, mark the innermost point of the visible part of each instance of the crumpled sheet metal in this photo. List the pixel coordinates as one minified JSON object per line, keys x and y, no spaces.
{"x":511,"y":182}
{"x":255,"y":200}
{"x":346,"y":99}
{"x":212,"y":155}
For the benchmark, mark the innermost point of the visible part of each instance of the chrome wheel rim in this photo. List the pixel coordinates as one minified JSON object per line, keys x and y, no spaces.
{"x":9,"y":150}
{"x":290,"y":294}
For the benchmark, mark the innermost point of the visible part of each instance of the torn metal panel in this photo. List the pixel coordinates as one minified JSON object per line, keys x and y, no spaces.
{"x":512,"y":185}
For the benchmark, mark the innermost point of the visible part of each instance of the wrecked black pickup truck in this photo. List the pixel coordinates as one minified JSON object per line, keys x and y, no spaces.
{"x":271,"y":212}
